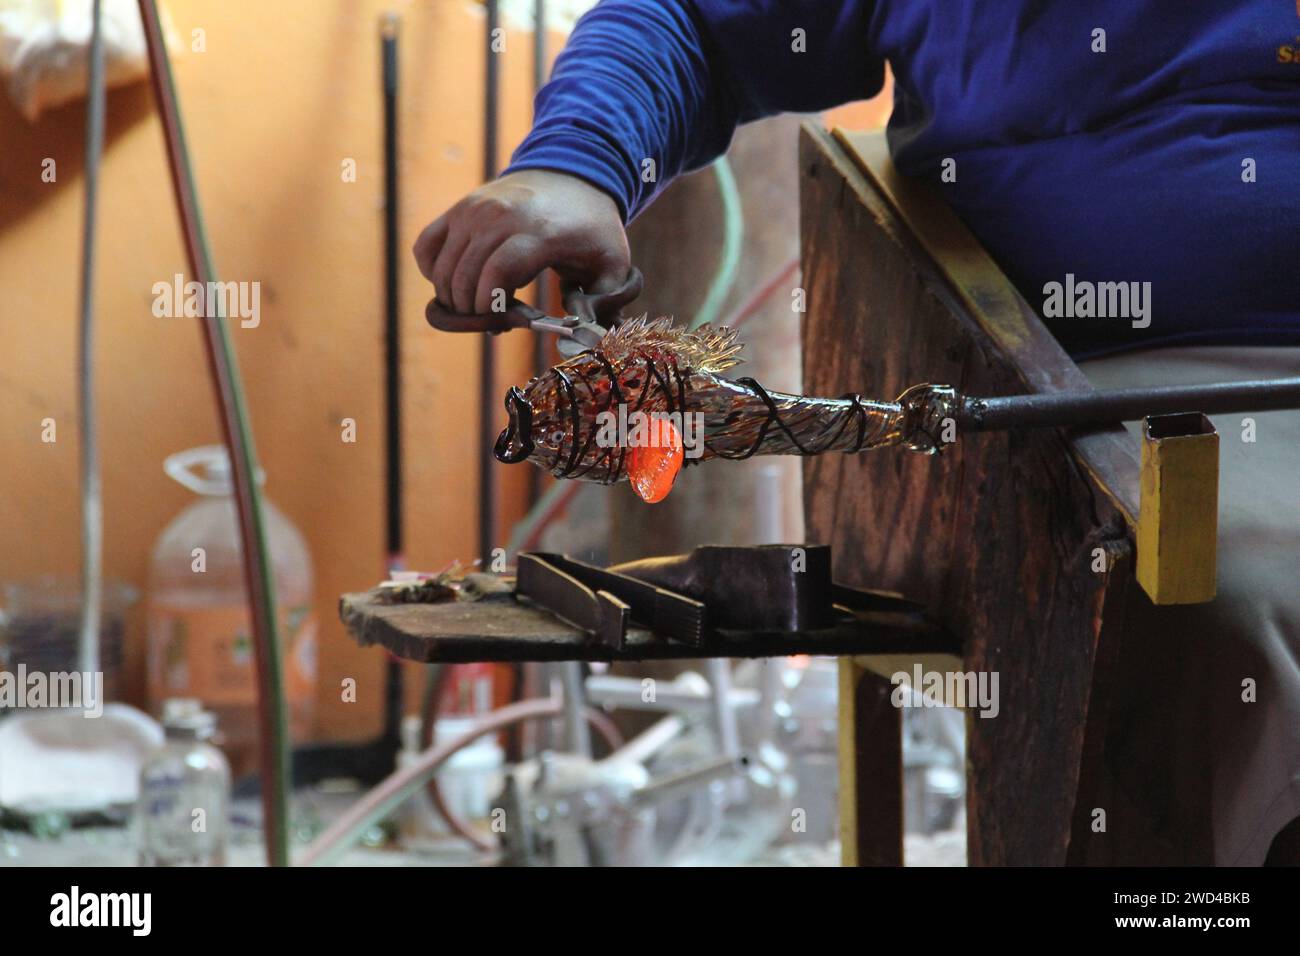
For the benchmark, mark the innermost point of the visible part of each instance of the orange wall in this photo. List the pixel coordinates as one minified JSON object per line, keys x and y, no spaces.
{"x":283,"y":94}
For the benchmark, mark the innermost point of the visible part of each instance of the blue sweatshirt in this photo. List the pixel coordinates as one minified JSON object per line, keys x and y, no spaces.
{"x":1114,"y":141}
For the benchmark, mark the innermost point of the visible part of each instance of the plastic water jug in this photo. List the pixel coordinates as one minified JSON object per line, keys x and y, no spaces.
{"x":199,"y":630}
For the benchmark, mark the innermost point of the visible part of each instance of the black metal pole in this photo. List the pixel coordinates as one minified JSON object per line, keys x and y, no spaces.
{"x":396,"y":545}
{"x":373,"y":760}
{"x":392,"y":343}
{"x":1061,"y":409}
{"x":541,"y":347}
{"x":487,"y":532}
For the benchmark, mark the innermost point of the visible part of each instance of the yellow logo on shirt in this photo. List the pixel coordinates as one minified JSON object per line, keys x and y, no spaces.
{"x":1290,"y":52}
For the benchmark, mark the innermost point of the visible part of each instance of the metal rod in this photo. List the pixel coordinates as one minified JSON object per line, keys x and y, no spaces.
{"x":1061,"y":409}
{"x":577,"y":735}
{"x":487,"y":525}
{"x":541,"y":347}
{"x":725,"y":725}
{"x":626,"y":693}
{"x":370,"y":761}
{"x":539,"y":45}
{"x":92,"y":503}
{"x":392,"y":341}
{"x":395,"y":543}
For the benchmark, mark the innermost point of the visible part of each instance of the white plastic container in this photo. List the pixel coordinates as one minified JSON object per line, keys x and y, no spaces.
{"x":471,"y":777}
{"x":200,"y":634}
{"x":468,"y":780}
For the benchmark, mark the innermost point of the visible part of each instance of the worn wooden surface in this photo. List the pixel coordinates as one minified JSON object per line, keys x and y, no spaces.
{"x":998,"y":535}
{"x":513,"y":629}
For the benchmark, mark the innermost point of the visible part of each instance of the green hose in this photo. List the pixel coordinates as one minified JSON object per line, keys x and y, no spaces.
{"x":524,"y":528}
{"x":733,"y":239}
{"x":234,"y":415}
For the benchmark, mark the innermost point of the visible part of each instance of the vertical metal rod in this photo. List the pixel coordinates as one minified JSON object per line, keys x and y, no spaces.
{"x":392,"y":342}
{"x":769,"y":685}
{"x":539,"y":45}
{"x":541,"y":350}
{"x":487,"y":530}
{"x":92,"y":504}
{"x":394,"y":543}
{"x":718,"y":671}
{"x":577,"y":735}
{"x":491,"y":92}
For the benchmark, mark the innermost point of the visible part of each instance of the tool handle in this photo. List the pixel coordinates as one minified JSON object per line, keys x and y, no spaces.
{"x":518,"y":315}
{"x":601,"y":308}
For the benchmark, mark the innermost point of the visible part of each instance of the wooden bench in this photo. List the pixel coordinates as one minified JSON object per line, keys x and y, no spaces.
{"x":1021,"y":542}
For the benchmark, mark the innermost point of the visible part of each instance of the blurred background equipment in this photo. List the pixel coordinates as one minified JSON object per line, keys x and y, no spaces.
{"x":40,"y":627}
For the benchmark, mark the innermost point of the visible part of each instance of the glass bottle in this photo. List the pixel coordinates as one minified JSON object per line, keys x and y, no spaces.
{"x":184,"y":803}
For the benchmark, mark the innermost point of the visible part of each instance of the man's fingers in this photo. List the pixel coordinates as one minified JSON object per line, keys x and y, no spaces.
{"x":512,"y":265}
{"x":611,"y":276}
{"x":464,"y":281}
{"x":602,"y":266}
{"x":498,"y":239}
{"x":428,"y":244}
{"x":448,"y":258}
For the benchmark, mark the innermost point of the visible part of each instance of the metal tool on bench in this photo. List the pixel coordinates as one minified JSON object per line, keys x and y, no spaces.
{"x":761,"y":588}
{"x":590,"y":316}
{"x":603,"y":602}
{"x":701,"y":597}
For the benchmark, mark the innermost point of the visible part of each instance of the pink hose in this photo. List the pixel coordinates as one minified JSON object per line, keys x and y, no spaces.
{"x":348,"y":827}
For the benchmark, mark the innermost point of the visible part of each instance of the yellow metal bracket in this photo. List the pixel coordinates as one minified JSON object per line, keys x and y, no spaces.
{"x":1178,"y":518}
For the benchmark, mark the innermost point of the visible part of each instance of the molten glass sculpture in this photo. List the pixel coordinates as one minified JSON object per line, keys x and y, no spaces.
{"x":650,"y":398}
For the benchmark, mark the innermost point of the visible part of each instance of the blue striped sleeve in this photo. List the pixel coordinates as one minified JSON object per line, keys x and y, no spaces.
{"x":648,"y":89}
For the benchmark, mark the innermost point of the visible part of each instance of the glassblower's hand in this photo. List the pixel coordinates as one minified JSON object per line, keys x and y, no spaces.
{"x":504,"y":233}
